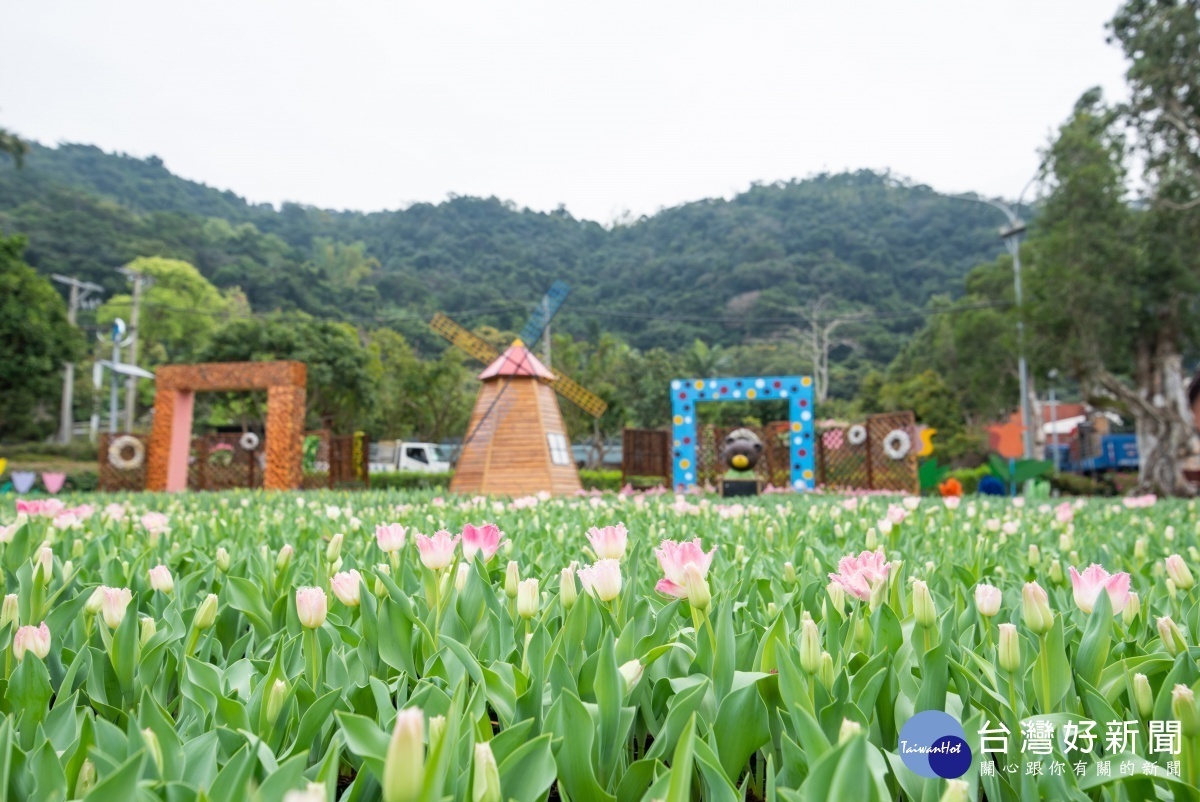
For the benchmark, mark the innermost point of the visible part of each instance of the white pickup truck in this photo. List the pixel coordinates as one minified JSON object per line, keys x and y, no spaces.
{"x":405,"y":455}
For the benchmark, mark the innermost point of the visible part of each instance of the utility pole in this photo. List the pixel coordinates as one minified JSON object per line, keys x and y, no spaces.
{"x":139,"y":282}
{"x":80,"y":290}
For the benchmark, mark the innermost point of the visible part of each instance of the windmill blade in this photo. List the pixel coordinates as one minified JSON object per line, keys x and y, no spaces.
{"x":462,"y":338}
{"x":546,"y":309}
{"x":586,"y":400}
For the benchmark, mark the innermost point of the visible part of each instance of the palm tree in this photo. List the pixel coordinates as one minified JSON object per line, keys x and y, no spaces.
{"x":13,"y":146}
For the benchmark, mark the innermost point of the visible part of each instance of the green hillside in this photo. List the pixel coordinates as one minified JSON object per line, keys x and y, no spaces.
{"x":726,"y":272}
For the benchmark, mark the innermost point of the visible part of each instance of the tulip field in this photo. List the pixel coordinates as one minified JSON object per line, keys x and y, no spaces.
{"x":397,"y":646}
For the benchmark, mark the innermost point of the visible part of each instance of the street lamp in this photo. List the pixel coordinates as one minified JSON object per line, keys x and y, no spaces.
{"x":1011,"y":234}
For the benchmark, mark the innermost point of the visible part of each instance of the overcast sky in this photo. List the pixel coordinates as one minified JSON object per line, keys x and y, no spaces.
{"x":607,"y":108}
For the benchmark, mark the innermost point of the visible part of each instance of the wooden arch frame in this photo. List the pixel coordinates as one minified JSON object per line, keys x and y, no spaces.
{"x":175,"y":395}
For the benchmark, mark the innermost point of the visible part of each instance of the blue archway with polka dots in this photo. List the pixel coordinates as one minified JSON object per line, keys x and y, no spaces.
{"x":796,"y":390}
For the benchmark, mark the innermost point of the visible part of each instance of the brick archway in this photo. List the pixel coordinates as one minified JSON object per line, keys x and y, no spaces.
{"x":175,"y":394}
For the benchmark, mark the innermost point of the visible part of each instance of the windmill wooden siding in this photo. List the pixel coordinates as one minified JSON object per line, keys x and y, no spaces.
{"x":508,"y":451}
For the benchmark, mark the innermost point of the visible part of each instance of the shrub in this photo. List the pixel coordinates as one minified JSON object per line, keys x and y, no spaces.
{"x":410,"y":480}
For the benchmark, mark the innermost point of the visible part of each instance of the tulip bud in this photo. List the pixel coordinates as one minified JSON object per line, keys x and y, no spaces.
{"x":161,"y":579}
{"x":879,"y":592}
{"x":872,"y":539}
{"x":311,"y":607}
{"x":404,"y":768}
{"x":849,"y":730}
{"x":222,"y":560}
{"x":334,"y":550}
{"x":460,"y":576}
{"x":206,"y":613}
{"x":631,"y":672}
{"x":527,"y":598}
{"x":956,"y":791}
{"x":1172,"y":591}
{"x":147,"y":629}
{"x":10,"y":610}
{"x":485,"y":785}
{"x":810,"y":646}
{"x":1035,"y":607}
{"x":987,"y":599}
{"x":1143,"y":697}
{"x":1132,"y":608}
{"x":1035,"y":555}
{"x":922,"y":604}
{"x":1180,"y":574}
{"x":825,"y":673}
{"x":1172,"y":638}
{"x":696,"y":585}
{"x":1066,"y":542}
{"x":1183,"y":708}
{"x":1056,"y":572}
{"x":789,"y":573}
{"x":285,"y":557}
{"x":154,"y":748}
{"x":1139,"y":549}
{"x":33,"y":639}
{"x":77,"y":549}
{"x":44,"y":559}
{"x":837,"y":596}
{"x":86,"y":779}
{"x":512,"y":579}
{"x":347,"y":587}
{"x":566,"y":590}
{"x":1009,"y":651}
{"x":437,"y":724}
{"x":275,"y":699}
{"x":113,"y":602}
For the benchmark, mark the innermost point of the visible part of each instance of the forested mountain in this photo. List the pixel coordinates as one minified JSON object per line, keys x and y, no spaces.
{"x":723,"y":271}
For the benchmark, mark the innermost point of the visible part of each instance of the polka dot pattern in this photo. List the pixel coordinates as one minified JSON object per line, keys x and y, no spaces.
{"x":796,"y":390}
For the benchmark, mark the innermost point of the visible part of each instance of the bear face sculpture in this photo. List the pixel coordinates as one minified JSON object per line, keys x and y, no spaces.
{"x":741,"y":450}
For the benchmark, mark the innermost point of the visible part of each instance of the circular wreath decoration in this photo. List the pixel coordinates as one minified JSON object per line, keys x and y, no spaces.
{"x":897,"y":444}
{"x":248,"y":441}
{"x":857,"y":434}
{"x":117,"y":449}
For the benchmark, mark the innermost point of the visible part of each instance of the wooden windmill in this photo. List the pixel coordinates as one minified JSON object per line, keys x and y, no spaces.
{"x":516,"y":443}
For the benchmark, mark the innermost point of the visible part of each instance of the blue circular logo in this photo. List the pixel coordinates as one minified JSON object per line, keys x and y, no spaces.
{"x":933,"y":744}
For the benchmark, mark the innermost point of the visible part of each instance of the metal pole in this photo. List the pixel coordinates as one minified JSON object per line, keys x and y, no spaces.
{"x":66,"y":416}
{"x":1054,"y":431}
{"x":131,"y":381}
{"x":1013,"y":241}
{"x":112,"y":396}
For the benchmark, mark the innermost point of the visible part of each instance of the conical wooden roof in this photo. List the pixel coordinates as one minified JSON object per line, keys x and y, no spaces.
{"x":517,"y":361}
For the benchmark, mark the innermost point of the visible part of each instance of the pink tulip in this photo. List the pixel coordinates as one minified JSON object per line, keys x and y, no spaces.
{"x":1089,"y":584}
{"x":485,"y":538}
{"x":860,"y":575}
{"x":610,"y":542}
{"x":347,"y":586}
{"x":1064,"y":512}
{"x":896,"y":513}
{"x":311,"y":607}
{"x":161,"y":579}
{"x":1134,"y":502}
{"x":603,"y":579}
{"x":34,"y":639}
{"x":113,"y":602}
{"x":674,"y":557}
{"x":438,"y":551}
{"x":155,"y":522}
{"x":390,"y":537}
{"x":47,"y":508}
